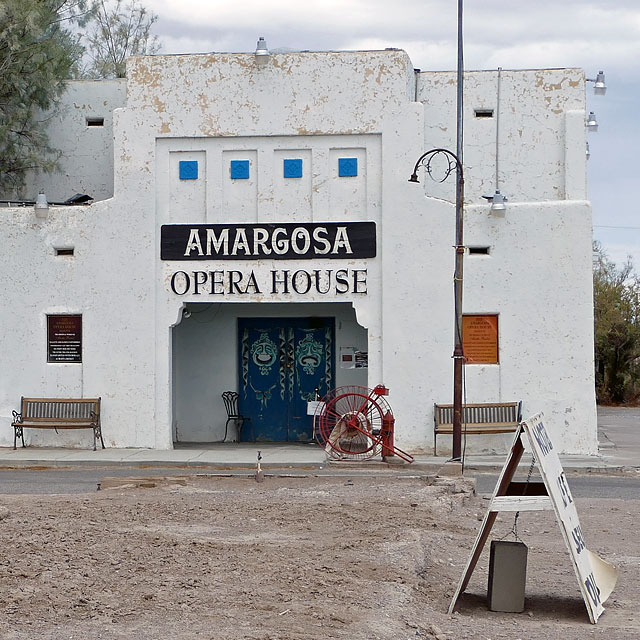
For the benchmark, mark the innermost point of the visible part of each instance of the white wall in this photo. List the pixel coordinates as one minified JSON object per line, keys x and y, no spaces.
{"x":106,"y":281}
{"x":86,"y":163}
{"x":540,"y":111}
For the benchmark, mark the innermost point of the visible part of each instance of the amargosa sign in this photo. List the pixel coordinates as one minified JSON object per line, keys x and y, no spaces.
{"x":286,"y":241}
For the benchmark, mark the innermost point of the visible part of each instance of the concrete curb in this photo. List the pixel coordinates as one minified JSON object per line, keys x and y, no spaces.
{"x":365,"y":467}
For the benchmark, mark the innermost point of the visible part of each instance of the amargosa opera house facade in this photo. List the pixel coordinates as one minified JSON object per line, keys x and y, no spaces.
{"x":254,"y":230}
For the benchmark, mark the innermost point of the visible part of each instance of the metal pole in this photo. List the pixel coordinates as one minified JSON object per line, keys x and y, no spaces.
{"x":458,"y":354}
{"x":498,"y":128}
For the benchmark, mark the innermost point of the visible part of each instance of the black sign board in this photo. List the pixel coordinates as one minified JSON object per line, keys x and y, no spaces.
{"x":64,"y":338}
{"x":287,"y":241}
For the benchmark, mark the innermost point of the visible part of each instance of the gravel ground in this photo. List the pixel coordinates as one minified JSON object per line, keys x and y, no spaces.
{"x":293,"y":558}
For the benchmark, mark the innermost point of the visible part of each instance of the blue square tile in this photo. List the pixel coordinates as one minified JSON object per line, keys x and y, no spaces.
{"x":293,"y":168}
{"x":239,"y":169}
{"x":347,"y":167}
{"x":188,"y":169}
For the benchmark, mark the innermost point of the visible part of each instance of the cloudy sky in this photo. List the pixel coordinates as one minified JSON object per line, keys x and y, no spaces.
{"x":513,"y":34}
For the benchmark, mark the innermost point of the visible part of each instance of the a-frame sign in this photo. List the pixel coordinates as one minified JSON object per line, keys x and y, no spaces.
{"x":596,"y":577}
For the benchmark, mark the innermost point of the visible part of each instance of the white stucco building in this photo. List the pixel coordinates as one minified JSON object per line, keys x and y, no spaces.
{"x":254,"y":225}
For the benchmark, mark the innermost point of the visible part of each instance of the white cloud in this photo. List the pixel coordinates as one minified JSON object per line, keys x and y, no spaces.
{"x":497,"y":32}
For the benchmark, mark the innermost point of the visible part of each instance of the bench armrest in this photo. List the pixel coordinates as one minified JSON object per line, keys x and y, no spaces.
{"x":17,"y":417}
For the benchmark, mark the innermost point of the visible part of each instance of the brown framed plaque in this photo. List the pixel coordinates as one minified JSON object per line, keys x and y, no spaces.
{"x":64,"y":338}
{"x":480,"y":338}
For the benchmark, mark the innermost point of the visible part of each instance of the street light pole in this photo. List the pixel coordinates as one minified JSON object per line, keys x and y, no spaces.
{"x":426,"y":160}
{"x":458,"y":354}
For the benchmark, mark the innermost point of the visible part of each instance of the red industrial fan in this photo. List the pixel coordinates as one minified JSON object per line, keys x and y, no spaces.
{"x":356,"y":423}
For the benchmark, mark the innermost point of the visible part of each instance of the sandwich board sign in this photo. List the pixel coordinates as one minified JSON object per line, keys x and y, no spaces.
{"x":596,"y":577}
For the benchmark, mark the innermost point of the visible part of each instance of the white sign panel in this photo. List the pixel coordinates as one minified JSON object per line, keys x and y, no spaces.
{"x":553,"y":475}
{"x":314,"y":406}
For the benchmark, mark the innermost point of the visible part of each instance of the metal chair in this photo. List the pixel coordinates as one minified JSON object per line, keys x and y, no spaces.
{"x":230,"y":399}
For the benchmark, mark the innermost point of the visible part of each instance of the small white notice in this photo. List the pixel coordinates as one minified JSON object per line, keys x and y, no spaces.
{"x":314,"y":406}
{"x":596,"y":577}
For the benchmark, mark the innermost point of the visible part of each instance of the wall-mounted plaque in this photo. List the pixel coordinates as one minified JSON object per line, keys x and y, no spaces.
{"x":64,"y":338}
{"x":480,"y":339}
{"x":351,"y":358}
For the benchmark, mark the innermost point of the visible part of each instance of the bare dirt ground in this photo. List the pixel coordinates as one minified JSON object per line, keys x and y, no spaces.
{"x":293,"y":558}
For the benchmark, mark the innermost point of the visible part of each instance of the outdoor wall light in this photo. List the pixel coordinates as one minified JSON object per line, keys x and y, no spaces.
{"x":498,"y":203}
{"x":41,"y":206}
{"x":588,"y":151}
{"x":599,"y":86}
{"x":262,"y":53}
{"x":592,"y":123}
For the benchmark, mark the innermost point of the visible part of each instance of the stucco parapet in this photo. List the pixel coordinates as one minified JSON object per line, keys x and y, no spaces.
{"x":574,"y":74}
{"x":143,"y":69}
{"x":229,"y":94}
{"x":57,"y":217}
{"x":27,"y":212}
{"x":566,"y":84}
{"x":506,"y":69}
{"x":101,"y":83}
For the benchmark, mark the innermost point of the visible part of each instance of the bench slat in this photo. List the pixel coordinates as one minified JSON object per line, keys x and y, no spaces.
{"x":477,"y":431}
{"x":56,"y":425}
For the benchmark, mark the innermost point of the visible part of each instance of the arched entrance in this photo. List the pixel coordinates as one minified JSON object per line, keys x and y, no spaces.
{"x":274,"y":355}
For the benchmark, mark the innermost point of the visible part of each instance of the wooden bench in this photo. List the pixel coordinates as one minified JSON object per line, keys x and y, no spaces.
{"x":497,"y":417}
{"x":57,"y":413}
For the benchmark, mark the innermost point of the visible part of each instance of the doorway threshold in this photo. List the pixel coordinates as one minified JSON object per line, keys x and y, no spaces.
{"x":246,"y":445}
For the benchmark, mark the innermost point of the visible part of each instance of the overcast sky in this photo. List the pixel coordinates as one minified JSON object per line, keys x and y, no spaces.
{"x":513,"y":34}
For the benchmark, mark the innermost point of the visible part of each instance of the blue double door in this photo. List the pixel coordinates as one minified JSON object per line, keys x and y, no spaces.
{"x":282,"y":361}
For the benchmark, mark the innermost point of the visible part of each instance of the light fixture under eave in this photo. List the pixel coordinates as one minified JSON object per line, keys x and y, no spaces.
{"x":262,"y":53}
{"x":599,"y":84}
{"x":592,"y":123}
{"x":41,"y":206}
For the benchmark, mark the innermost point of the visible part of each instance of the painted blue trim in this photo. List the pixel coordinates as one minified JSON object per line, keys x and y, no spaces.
{"x":347,"y":167}
{"x":292,"y":168}
{"x":188,"y":169}
{"x":239,"y":169}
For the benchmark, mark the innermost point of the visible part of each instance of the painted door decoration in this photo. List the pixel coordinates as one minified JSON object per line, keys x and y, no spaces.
{"x":282,"y":362}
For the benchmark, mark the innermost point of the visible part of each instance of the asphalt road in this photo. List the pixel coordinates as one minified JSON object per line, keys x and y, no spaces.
{"x":625,"y":487}
{"x":86,"y":479}
{"x":73,"y":480}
